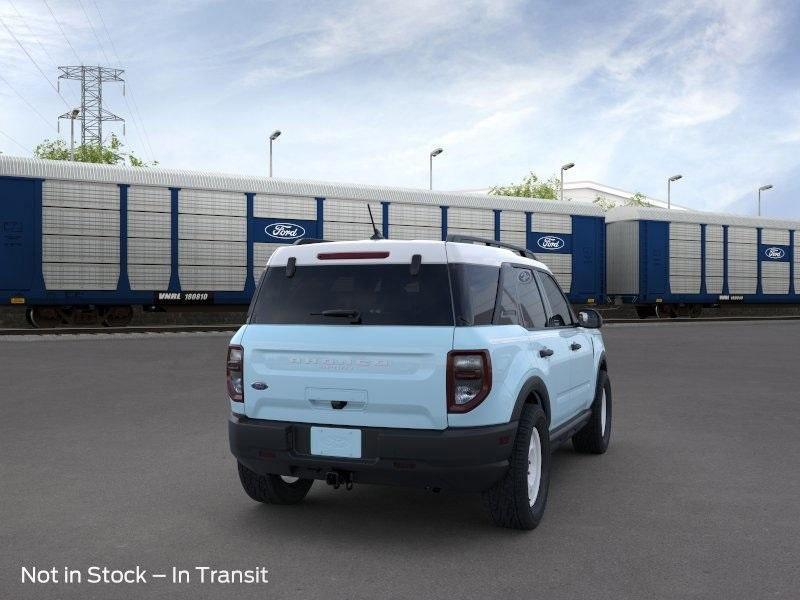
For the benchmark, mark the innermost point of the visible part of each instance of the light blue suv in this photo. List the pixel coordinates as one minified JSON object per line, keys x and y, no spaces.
{"x":446,"y":365}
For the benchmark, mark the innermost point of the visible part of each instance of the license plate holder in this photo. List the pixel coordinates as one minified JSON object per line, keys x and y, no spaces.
{"x":336,"y":441}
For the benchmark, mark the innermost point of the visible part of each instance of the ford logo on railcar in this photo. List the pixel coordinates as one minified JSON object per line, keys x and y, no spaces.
{"x":285,"y":231}
{"x":775,"y":253}
{"x":550,"y":242}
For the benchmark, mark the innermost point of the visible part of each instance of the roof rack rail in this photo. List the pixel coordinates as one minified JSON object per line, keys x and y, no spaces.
{"x":304,"y":241}
{"x":470,"y":239}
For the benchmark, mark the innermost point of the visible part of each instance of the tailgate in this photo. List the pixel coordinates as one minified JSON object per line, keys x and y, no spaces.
{"x":370,"y":376}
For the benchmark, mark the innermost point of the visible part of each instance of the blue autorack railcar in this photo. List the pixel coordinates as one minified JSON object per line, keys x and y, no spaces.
{"x":82,"y":242}
{"x":675,"y":262}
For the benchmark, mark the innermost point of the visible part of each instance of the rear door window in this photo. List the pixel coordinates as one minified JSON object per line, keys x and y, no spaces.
{"x":379,"y":294}
{"x":529,"y":300}
{"x":560,"y":314}
{"x":519,"y":301}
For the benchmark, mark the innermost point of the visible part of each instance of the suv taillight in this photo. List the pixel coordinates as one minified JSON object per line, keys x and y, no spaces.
{"x":235,"y":373}
{"x":469,"y":379}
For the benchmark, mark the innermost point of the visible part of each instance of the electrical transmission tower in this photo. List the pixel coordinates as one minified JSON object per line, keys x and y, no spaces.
{"x":92,"y":113}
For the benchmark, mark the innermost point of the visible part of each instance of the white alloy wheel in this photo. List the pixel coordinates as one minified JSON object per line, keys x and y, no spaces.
{"x":534,"y":466}
{"x":289,"y":479}
{"x":603,"y":413}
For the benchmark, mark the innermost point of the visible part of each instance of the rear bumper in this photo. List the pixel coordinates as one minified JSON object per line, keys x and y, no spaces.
{"x":462,"y":459}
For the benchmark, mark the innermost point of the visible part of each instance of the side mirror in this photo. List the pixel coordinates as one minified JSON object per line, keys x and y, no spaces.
{"x":590,"y":319}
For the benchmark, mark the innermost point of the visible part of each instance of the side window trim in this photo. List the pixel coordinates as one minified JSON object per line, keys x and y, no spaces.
{"x":497,"y":293}
{"x":548,"y":307}
{"x":498,"y":299}
{"x":539,"y":291}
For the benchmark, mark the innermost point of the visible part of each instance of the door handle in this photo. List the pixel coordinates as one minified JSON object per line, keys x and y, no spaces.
{"x":575,"y":346}
{"x":545,"y":352}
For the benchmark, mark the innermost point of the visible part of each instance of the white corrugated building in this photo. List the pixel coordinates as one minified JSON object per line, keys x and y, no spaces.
{"x":588,"y":192}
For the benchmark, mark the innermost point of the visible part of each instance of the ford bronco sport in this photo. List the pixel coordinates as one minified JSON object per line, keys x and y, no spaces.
{"x":444,"y":365}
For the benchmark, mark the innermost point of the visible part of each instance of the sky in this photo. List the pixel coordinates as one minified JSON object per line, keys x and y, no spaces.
{"x":632,"y":92}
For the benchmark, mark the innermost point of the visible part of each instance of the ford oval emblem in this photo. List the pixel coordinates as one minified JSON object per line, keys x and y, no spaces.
{"x":285,"y":231}
{"x":775,"y":253}
{"x":550,"y":242}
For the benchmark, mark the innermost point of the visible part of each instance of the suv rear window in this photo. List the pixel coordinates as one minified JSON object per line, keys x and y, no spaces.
{"x":380,"y":294}
{"x":474,"y":293}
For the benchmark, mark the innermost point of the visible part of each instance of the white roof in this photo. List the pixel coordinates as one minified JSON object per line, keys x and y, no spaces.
{"x":635,"y":213}
{"x":586,"y":192}
{"x":14,"y":166}
{"x":400,"y":252}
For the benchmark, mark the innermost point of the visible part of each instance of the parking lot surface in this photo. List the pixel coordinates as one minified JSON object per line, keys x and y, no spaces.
{"x":114,"y":453}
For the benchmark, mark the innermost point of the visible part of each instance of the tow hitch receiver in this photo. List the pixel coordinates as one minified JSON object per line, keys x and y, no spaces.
{"x":339,"y":478}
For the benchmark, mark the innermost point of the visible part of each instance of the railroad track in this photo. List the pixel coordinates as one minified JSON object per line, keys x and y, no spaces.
{"x":122,"y":330}
{"x":704,"y":319}
{"x":233,"y":327}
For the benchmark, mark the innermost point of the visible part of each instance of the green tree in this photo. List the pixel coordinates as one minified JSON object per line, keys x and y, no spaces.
{"x":604,"y":202}
{"x":530,"y":187}
{"x":638,"y":199}
{"x":110,"y":154}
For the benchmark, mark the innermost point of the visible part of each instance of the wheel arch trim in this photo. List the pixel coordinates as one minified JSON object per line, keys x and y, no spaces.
{"x":534,"y":385}
{"x":602,"y":362}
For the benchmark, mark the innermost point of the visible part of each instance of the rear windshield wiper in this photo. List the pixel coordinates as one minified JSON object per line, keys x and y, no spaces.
{"x":347,"y":313}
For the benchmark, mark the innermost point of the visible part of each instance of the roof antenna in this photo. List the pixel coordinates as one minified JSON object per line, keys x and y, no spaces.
{"x":377,"y":234}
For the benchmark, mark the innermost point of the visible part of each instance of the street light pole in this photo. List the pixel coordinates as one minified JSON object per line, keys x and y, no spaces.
{"x":564,"y":168}
{"x":274,"y":136}
{"x":435,"y":152}
{"x":763,"y":188}
{"x":72,"y":115}
{"x":669,"y":191}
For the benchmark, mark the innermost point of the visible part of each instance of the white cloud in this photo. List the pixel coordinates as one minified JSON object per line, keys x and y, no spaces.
{"x":360,"y":30}
{"x":364,"y":90}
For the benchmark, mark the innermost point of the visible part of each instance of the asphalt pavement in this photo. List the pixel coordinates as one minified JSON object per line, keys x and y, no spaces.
{"x":114,"y":453}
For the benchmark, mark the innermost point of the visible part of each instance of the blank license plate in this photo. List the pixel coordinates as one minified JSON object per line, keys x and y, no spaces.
{"x":336,"y":441}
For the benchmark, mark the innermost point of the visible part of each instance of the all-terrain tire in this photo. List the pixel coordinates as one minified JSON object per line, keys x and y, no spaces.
{"x":596,"y":434}
{"x":271,"y":489}
{"x":509,"y":501}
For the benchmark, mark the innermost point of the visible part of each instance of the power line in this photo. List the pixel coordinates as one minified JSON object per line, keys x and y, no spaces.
{"x":97,"y":37}
{"x":135,"y":114}
{"x":110,"y":39}
{"x":146,"y":137}
{"x":15,"y":141}
{"x":33,"y":35}
{"x":21,"y":97}
{"x":28,"y":54}
{"x":66,"y":39}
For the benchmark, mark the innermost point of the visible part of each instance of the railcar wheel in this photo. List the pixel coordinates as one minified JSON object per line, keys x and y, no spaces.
{"x":117,"y":316}
{"x":696,"y":311}
{"x":28,"y":318}
{"x":665,"y":311}
{"x":45,"y":317}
